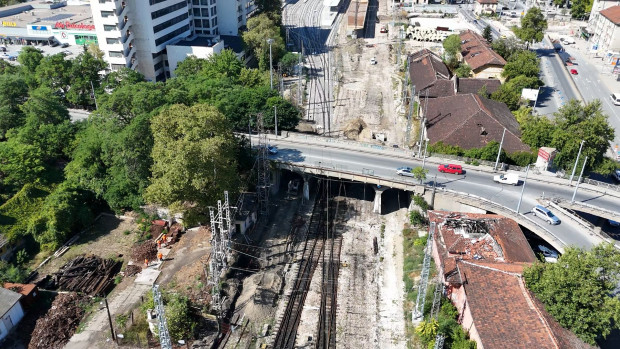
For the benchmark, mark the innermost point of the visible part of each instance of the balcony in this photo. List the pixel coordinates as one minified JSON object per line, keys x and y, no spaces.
{"x":132,"y":62}
{"x":127,"y":35}
{"x":130,"y":49}
{"x":121,"y":10}
{"x":124,"y":21}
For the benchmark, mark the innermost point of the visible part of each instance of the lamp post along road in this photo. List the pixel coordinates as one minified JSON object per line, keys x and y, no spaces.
{"x":270,"y":41}
{"x":570,"y":181}
{"x":527,"y":170}
{"x":579,"y":180}
{"x":499,"y":151}
{"x":275,"y":116}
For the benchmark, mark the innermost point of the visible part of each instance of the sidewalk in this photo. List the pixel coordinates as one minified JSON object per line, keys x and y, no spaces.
{"x":595,"y":59}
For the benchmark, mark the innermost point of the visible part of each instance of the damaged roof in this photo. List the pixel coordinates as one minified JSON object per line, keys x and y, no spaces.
{"x":471,"y":85}
{"x":429,"y":74}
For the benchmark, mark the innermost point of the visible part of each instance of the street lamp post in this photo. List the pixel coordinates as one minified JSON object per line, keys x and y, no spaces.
{"x":579,"y":180}
{"x":270,"y":41}
{"x":577,"y":160}
{"x":527,"y":170}
{"x":275,"y":116}
{"x":499,"y":151}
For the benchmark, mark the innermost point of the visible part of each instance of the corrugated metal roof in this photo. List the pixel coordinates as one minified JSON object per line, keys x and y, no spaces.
{"x":8,"y":299}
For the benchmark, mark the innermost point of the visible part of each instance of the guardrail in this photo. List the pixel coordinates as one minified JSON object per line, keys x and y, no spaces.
{"x":572,"y":216}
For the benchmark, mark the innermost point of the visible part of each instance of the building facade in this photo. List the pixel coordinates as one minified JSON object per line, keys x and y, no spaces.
{"x":485,"y":6}
{"x":603,"y":27}
{"x":135,"y":34}
{"x":11,"y":311}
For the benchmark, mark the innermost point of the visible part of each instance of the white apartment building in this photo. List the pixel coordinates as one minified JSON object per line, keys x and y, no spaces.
{"x":604,"y":27}
{"x":135,"y":33}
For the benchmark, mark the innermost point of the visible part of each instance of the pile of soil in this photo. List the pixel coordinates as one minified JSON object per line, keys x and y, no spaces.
{"x":57,"y":326}
{"x":132,"y":270}
{"x":146,"y":250}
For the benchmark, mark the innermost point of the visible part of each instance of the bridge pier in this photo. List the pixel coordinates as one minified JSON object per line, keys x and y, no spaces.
{"x":306,"y":187}
{"x":276,"y":175}
{"x":377,"y":203}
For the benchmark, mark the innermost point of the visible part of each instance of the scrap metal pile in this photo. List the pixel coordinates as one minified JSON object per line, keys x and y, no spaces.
{"x":57,"y":326}
{"x":91,"y":275}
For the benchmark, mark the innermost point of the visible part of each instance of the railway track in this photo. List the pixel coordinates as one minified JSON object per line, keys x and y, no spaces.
{"x":312,"y":250}
{"x":326,"y":331}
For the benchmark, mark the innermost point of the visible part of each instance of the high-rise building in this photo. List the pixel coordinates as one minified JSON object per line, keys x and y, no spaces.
{"x":136,"y":33}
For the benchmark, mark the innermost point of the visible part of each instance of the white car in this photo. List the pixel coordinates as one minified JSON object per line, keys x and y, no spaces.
{"x":404,"y":171}
{"x":549,"y":254}
{"x":615,"y":98}
{"x":373,"y":61}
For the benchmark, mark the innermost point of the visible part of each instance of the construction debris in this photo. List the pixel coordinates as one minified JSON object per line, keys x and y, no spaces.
{"x":132,"y":270}
{"x":147,"y":250}
{"x":57,"y":326}
{"x":91,"y":275}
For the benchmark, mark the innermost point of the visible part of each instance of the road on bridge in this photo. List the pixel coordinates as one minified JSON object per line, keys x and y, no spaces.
{"x":473,"y":182}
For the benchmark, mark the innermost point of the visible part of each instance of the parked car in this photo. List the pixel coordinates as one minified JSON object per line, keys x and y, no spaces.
{"x":373,"y":61}
{"x":383,"y":29}
{"x":615,"y":98}
{"x":546,"y":215}
{"x":550,"y":255}
{"x":2,"y":49}
{"x":65,"y":45}
{"x":404,"y":171}
{"x":272,"y":149}
{"x":574,"y":71}
{"x":613,"y":223}
{"x":67,"y":53}
{"x":450,"y":168}
{"x":616,"y":175}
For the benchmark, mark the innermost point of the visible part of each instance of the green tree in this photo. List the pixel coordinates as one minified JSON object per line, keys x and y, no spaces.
{"x":8,"y":68}
{"x":261,"y":28}
{"x":122,"y":77}
{"x":536,"y":130}
{"x":522,"y":62}
{"x":179,"y":318}
{"x":577,"y":290}
{"x":20,"y":163}
{"x":29,"y":59}
{"x":12,"y":273}
{"x":533,"y":26}
{"x":288,"y":63}
{"x":510,"y":92}
{"x":55,"y":72}
{"x":130,"y":100}
{"x":85,"y":77}
{"x":419,"y":173}
{"x":506,"y":47}
{"x":463,"y":71}
{"x":581,"y":9}
{"x":487,"y":35}
{"x":452,"y":45}
{"x":575,"y":122}
{"x":288,"y":114}
{"x":64,"y":212}
{"x":13,"y":92}
{"x":194,"y":159}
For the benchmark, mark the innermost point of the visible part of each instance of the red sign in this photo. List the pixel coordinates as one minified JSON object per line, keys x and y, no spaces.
{"x":69,"y":25}
{"x":543,"y":154}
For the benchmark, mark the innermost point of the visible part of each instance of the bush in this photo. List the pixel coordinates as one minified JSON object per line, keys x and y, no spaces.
{"x":420,"y":202}
{"x":442,"y":148}
{"x":522,"y":158}
{"x":416,"y":218}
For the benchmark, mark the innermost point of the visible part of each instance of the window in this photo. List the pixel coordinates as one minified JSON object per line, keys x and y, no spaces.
{"x":116,"y":54}
{"x":169,"y":23}
{"x":154,"y":2}
{"x":213,"y":11}
{"x":106,"y":14}
{"x":204,"y":2}
{"x":196,"y":2}
{"x":117,"y":66}
{"x":196,"y":12}
{"x":197,"y":23}
{"x":171,"y":35}
{"x":159,"y":66}
{"x":205,"y":12}
{"x":167,"y":10}
{"x":214,"y":22}
{"x":104,"y":1}
{"x":112,"y":41}
{"x":205,"y":23}
{"x":212,"y":2}
{"x":109,"y":27}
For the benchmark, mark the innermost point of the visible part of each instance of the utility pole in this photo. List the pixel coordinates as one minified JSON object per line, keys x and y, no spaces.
{"x":105,"y":300}
{"x":424,"y":154}
{"x":300,"y":72}
{"x":499,"y":151}
{"x":164,"y":336}
{"x":275,"y":116}
{"x":527,"y":170}
{"x":579,"y":180}
{"x":270,"y":41}
{"x":418,"y":311}
{"x":576,"y":160}
{"x":410,"y":115}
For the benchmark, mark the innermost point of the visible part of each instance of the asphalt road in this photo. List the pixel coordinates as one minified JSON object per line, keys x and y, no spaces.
{"x":591,"y":87}
{"x":473,"y":182}
{"x":558,"y":89}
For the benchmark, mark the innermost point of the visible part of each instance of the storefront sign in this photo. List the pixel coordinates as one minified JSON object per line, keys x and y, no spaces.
{"x":69,"y":25}
{"x":39,"y":27}
{"x":9,"y":24}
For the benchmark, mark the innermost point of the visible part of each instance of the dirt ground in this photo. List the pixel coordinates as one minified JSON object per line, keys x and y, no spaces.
{"x":106,"y":239}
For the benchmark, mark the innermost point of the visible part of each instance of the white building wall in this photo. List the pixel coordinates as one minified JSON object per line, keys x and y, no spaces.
{"x":11,"y":319}
{"x":177,"y":54}
{"x":229,"y":16}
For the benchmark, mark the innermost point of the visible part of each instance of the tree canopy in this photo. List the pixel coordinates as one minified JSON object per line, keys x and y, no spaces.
{"x":194,"y":159}
{"x":533,"y":26}
{"x":577,"y":290}
{"x":487,"y":35}
{"x":522,"y":62}
{"x":261,"y":28}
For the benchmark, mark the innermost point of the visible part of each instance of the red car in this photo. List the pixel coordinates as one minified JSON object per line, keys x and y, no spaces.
{"x":574,"y":71}
{"x":450,"y":168}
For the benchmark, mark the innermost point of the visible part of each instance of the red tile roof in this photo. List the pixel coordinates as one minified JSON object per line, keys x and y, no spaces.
{"x":612,"y":14}
{"x":429,"y":74}
{"x":24,"y":289}
{"x":470,"y":121}
{"x":485,"y":254}
{"x":487,"y":1}
{"x":477,"y":52}
{"x":468,"y":85}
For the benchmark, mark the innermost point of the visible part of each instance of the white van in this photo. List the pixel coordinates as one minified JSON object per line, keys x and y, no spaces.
{"x":615,"y":98}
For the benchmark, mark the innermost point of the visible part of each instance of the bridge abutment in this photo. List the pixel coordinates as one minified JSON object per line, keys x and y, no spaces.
{"x":377,"y":203}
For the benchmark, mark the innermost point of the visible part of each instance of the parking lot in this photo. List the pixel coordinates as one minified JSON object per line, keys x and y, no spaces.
{"x":12,"y":51}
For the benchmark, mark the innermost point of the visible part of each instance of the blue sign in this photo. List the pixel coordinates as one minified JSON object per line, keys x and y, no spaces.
{"x":39,"y":27}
